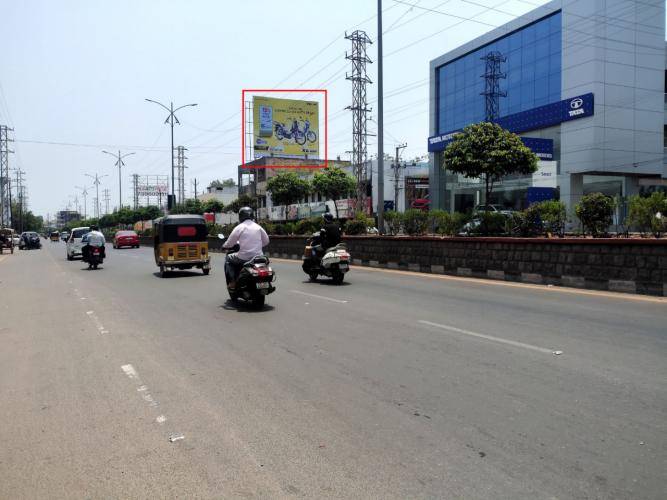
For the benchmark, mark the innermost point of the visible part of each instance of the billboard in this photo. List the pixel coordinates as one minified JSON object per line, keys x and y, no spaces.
{"x":155,"y":190}
{"x":286,"y":128}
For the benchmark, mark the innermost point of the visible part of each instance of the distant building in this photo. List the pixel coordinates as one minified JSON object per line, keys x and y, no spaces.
{"x":66,"y":216}
{"x":582,"y":82}
{"x":405,"y":187}
{"x":215,"y":191}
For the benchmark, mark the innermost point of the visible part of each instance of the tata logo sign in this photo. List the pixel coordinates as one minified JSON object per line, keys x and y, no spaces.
{"x":576,"y":107}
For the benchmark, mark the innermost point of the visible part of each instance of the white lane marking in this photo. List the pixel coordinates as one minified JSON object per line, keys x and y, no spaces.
{"x":130,"y":371}
{"x":96,"y":320}
{"x":161,"y":419}
{"x":176,"y":437}
{"x":489,"y":337}
{"x":319,"y":297}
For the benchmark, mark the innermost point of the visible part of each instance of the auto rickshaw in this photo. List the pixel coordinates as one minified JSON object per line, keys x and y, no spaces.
{"x":181,"y":242}
{"x":54,"y":236}
{"x":6,"y":239}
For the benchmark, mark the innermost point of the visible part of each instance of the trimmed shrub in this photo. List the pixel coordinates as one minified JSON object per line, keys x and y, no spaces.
{"x":439,"y":222}
{"x":415,"y":222}
{"x":552,"y":214}
{"x":358,"y":225}
{"x":595,"y":211}
{"x":393,"y":221}
{"x":648,"y":214}
{"x":491,"y":224}
{"x":308,"y":226}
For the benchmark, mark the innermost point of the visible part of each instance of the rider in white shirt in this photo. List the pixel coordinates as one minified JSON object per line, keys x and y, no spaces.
{"x":251,"y":239}
{"x":93,"y":238}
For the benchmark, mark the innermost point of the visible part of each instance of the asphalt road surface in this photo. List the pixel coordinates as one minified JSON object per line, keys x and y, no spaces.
{"x":119,"y":384}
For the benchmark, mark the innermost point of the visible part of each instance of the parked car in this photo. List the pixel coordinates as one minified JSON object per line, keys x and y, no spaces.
{"x":74,"y":244}
{"x":15,"y":240}
{"x":492,"y":208}
{"x":126,"y":239}
{"x":421,"y":204}
{"x":28,"y":240}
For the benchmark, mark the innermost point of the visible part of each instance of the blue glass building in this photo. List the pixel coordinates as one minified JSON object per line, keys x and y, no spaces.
{"x":585,"y":94}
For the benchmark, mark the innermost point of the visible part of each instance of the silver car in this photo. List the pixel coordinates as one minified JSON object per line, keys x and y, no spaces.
{"x":74,"y":243}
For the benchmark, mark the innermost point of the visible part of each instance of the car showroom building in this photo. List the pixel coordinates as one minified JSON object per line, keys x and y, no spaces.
{"x":583,"y":83}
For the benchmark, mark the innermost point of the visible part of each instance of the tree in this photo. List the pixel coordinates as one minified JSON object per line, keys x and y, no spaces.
{"x":333,"y":183}
{"x":222,"y":184}
{"x":213,"y":205}
{"x":191,"y":206}
{"x":649,"y":214}
{"x":287,"y":188}
{"x":242,"y":201}
{"x":489,"y":152}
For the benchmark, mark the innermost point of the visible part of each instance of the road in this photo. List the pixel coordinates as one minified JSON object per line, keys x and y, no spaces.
{"x":118,"y":384}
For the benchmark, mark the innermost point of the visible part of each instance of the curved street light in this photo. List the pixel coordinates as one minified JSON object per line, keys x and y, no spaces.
{"x":119,"y":163}
{"x":170,"y":120}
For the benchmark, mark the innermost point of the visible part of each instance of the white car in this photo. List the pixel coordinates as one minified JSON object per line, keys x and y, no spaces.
{"x":15,"y":240}
{"x":74,"y":244}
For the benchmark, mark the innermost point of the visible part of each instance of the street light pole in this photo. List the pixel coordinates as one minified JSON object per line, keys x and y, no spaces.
{"x":170,"y":120}
{"x":96,"y":180}
{"x":119,"y":163}
{"x":84,"y":192}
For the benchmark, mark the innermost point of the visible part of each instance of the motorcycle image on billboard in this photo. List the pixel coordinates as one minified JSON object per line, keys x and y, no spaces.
{"x":285,"y":128}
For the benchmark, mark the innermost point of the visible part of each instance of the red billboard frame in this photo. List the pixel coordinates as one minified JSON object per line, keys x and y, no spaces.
{"x":301,"y":91}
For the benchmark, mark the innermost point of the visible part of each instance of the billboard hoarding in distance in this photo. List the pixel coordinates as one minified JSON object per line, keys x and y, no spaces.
{"x":286,"y":128}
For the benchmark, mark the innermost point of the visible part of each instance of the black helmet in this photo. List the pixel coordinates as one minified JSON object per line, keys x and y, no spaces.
{"x":328,"y":217}
{"x":94,"y":227}
{"x":245,"y":213}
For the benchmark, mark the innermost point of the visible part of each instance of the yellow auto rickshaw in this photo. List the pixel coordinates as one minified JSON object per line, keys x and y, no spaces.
{"x":181,"y":242}
{"x":54,"y":236}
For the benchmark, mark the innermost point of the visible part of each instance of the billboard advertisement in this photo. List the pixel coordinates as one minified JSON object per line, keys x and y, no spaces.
{"x":152,"y":189}
{"x":286,"y":128}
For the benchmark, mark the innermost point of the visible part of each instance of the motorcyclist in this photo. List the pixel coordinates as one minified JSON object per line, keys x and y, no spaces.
{"x":330,"y":232}
{"x":251,"y":239}
{"x":93,"y":238}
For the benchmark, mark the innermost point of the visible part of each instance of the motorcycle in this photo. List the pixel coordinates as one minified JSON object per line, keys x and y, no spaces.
{"x":255,"y":280}
{"x":310,"y":135}
{"x":295,"y":133}
{"x":94,"y":256}
{"x":331,"y":262}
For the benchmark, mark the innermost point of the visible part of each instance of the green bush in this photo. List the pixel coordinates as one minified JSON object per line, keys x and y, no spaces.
{"x":393,"y":220}
{"x":491,"y":224}
{"x":415,"y":222}
{"x":595,"y":211}
{"x":648,"y":214}
{"x":358,"y":225}
{"x":553,"y":215}
{"x":439,"y":222}
{"x":308,"y":226}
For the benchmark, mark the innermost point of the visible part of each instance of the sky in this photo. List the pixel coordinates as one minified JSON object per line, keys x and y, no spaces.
{"x":74,"y":76}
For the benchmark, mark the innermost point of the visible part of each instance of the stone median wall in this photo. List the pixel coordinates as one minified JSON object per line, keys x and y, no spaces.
{"x":622,"y":265}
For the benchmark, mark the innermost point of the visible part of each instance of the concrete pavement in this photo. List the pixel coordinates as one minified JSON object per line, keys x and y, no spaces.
{"x":390,"y":386}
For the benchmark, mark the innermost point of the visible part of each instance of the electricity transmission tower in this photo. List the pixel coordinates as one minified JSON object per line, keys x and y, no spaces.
{"x":360,"y":110}
{"x":135,"y":185}
{"x":492,"y":76}
{"x":5,"y":181}
{"x":181,"y":172}
{"x":20,"y":199}
{"x":106,"y":201}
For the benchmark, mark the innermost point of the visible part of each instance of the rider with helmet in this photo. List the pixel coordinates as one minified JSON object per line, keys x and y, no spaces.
{"x":93,"y":238}
{"x":330,"y":233}
{"x":251,"y":239}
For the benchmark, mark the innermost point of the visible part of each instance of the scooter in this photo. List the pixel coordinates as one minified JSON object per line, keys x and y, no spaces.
{"x":332,"y":262}
{"x":94,"y":257}
{"x":255,"y":279}
{"x":294,"y":133}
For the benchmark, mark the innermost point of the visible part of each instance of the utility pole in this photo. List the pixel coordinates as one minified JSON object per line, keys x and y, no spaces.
{"x":20,"y":198}
{"x":5,"y":186}
{"x":119,"y":163}
{"x":195,"y":183}
{"x":360,"y":110}
{"x":380,"y":201}
{"x":170,"y":120}
{"x":397,"y":174}
{"x":84,"y":192}
{"x":181,"y":172}
{"x":106,"y":201}
{"x":96,"y":181}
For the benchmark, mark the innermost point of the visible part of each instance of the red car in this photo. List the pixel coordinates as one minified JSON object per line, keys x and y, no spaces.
{"x":126,"y":239}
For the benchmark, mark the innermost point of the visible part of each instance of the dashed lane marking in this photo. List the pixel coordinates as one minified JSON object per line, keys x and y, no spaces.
{"x":491,"y":338}
{"x":338,"y":301}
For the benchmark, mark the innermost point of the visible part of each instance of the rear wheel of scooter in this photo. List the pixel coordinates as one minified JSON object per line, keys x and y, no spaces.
{"x":206,"y":271}
{"x":338,"y":277}
{"x":313,"y":275}
{"x":95,"y":266}
{"x":163,"y":271}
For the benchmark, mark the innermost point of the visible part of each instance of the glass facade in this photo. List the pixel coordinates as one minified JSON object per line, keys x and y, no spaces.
{"x":533,"y":69}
